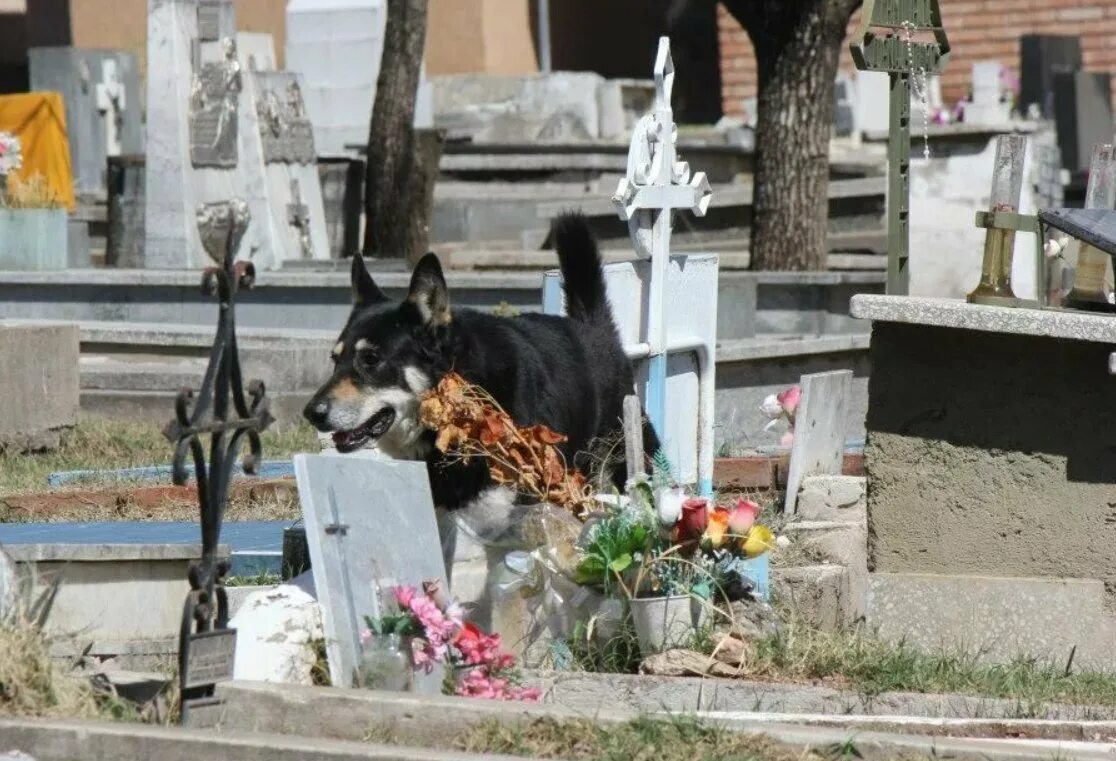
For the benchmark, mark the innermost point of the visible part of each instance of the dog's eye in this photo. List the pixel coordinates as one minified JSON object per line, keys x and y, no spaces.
{"x":367,"y":359}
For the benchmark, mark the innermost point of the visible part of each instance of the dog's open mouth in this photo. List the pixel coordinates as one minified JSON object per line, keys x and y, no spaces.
{"x":372,"y":429}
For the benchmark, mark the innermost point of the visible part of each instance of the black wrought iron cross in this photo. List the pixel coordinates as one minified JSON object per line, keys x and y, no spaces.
{"x":221,"y":410}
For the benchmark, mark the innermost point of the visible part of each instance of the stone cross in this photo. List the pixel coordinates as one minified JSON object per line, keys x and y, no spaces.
{"x":654,"y":186}
{"x":111,"y":102}
{"x":298,"y":216}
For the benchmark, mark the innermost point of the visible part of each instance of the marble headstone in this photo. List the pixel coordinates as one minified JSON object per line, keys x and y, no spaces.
{"x":206,"y":140}
{"x":370,"y":525}
{"x":290,"y":194}
{"x":100,"y":91}
{"x":336,"y":46}
{"x":193,"y":104}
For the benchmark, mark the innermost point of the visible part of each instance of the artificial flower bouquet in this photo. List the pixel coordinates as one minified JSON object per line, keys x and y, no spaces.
{"x":433,"y":632}
{"x":11,"y":157}
{"x":662,"y":542}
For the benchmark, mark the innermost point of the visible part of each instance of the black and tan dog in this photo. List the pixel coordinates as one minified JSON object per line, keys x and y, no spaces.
{"x":568,"y":373}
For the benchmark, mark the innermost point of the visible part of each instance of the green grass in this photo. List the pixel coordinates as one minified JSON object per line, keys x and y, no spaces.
{"x":872,"y":667}
{"x":854,"y":660}
{"x":261,"y":578}
{"x":100,"y":444}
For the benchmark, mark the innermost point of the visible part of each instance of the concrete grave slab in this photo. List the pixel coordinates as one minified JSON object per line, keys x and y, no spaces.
{"x":370,"y":525}
{"x":40,"y":398}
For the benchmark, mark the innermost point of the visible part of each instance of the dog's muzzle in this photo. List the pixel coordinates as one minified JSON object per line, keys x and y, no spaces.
{"x":317,"y":412}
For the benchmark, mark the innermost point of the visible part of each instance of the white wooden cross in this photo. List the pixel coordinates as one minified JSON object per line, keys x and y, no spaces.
{"x":111,"y":102}
{"x":655,"y":185}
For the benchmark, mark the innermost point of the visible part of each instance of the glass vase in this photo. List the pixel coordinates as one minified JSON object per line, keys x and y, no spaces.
{"x":386,"y":664}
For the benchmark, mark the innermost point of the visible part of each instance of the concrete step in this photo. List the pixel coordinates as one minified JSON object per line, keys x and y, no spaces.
{"x":149,"y":373}
{"x":63,"y":740}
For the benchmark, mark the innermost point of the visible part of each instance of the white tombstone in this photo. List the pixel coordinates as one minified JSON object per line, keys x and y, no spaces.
{"x":988,"y":106}
{"x":193,"y":104}
{"x":820,"y":423}
{"x":675,"y":351}
{"x":336,"y":46}
{"x":278,"y":141}
{"x":213,"y":126}
{"x":370,"y":525}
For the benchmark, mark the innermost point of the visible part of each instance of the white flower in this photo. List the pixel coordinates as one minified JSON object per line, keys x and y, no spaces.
{"x":771,"y":407}
{"x":10,"y":157}
{"x":782,"y":541}
{"x":668,"y":504}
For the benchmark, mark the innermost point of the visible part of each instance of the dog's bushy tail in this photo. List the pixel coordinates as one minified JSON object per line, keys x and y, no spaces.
{"x":580,"y":261}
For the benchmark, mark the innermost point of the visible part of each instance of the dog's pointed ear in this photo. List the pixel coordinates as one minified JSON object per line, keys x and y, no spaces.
{"x":365,"y":290}
{"x":429,"y":293}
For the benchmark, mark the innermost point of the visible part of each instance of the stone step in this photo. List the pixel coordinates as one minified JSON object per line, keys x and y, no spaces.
{"x":62,"y":740}
{"x":150,"y":373}
{"x":612,"y":698}
{"x":997,"y":618}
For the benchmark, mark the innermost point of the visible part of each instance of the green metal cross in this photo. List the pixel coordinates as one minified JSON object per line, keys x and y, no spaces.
{"x":885,"y":42}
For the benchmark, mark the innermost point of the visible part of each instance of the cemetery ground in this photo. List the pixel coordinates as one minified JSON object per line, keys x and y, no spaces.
{"x":882,"y":688}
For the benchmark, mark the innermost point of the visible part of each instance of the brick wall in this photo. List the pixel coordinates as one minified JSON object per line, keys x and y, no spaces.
{"x":977,"y":30}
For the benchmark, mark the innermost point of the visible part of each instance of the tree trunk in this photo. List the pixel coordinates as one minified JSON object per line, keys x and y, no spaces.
{"x":391,"y":163}
{"x":797,"y":44}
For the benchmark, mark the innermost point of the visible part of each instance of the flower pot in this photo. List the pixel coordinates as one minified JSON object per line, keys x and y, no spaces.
{"x":32,"y":239}
{"x":386,"y":664}
{"x":662,"y":623}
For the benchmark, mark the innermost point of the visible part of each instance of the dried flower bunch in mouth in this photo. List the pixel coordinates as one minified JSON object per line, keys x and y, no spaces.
{"x":470,"y":423}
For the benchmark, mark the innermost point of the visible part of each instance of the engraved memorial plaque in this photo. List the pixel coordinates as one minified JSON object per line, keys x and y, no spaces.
{"x":213,"y":112}
{"x":211,"y":658}
{"x":285,"y":129}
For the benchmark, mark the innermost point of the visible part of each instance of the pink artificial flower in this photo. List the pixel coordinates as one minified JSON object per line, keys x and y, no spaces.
{"x":789,"y":400}
{"x":527,"y":694}
{"x":742,"y":516}
{"x":695,"y":517}
{"x":365,"y":636}
{"x":404,"y":595}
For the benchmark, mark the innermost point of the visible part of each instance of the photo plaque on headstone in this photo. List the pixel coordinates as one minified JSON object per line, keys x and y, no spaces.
{"x":285,"y":129}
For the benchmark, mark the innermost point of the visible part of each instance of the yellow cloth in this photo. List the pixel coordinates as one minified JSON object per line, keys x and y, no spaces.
{"x":38,"y":119}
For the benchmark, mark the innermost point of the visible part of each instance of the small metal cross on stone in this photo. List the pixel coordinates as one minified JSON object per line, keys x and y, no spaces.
{"x":111,"y":102}
{"x":654,"y":186}
{"x":298,"y":217}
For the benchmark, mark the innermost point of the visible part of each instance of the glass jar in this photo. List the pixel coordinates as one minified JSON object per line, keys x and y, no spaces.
{"x":386,"y":664}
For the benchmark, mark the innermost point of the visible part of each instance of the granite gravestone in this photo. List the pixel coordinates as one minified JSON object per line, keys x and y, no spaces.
{"x":370,"y":525}
{"x":100,"y":90}
{"x":1041,"y":56}
{"x":1082,"y":115}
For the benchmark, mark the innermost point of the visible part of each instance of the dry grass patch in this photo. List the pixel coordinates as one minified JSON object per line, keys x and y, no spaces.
{"x":102,"y":444}
{"x":644,"y":739}
{"x":32,"y":684}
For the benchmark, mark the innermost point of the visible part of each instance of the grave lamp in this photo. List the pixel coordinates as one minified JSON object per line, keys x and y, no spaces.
{"x":1001,"y":222}
{"x":1094,"y":229}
